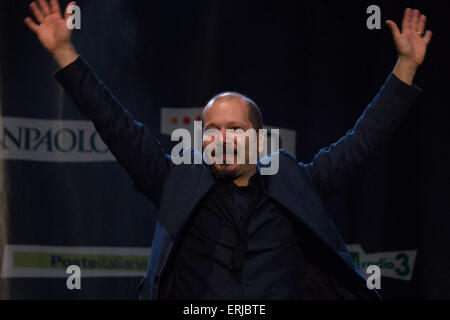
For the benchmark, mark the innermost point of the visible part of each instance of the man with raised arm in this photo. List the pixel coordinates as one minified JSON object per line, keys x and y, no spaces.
{"x":226,"y":231}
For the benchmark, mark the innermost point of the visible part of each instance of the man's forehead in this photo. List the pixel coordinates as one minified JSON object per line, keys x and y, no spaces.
{"x":226,"y":102}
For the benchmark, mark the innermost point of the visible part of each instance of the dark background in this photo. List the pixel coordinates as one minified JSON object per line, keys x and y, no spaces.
{"x":312,"y":66}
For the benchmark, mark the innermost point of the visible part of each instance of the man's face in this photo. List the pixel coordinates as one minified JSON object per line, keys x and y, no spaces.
{"x":222,"y":114}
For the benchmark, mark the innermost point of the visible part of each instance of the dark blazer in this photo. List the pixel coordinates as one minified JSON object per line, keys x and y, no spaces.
{"x":300,"y":188}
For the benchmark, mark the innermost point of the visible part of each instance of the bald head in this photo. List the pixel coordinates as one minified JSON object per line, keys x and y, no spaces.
{"x":254,"y":114}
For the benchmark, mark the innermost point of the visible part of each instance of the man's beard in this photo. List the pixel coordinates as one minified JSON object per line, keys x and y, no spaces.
{"x":226,"y":175}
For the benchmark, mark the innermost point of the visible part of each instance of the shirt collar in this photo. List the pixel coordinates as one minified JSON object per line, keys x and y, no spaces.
{"x":256,"y":181}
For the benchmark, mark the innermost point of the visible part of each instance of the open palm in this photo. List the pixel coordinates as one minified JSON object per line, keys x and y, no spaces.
{"x":411,"y":42}
{"x":52,"y":30}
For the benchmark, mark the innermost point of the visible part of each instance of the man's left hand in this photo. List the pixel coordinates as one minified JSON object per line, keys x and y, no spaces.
{"x":411,"y":42}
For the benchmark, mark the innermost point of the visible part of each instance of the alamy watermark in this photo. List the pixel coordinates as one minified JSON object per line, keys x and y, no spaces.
{"x":241,"y":147}
{"x":374,"y":20}
{"x":374,"y":280}
{"x":74,"y":280}
{"x":74,"y":20}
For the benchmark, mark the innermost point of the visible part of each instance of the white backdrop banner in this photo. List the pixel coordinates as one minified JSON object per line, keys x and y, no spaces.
{"x":51,"y":141}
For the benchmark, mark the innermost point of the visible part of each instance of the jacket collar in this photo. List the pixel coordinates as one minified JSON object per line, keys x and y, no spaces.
{"x":288,"y":188}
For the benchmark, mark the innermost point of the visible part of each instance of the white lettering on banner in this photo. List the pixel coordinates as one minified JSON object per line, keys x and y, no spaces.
{"x":51,"y":141}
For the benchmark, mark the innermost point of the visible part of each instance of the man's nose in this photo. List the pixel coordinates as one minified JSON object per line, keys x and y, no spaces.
{"x":222,"y":137}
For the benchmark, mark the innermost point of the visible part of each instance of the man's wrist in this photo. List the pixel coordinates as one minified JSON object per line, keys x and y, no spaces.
{"x":65,"y":55}
{"x":405,"y":69}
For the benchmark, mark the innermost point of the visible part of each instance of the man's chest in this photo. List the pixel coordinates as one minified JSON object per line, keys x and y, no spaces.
{"x":229,"y":218}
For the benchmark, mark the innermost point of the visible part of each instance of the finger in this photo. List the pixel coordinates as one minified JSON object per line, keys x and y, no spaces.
{"x":394,"y":28}
{"x":66,"y":14}
{"x":43,"y":5}
{"x":54,"y":6}
{"x":427,"y":37}
{"x":37,"y":12}
{"x":31,"y":24}
{"x":422,"y":22}
{"x":415,"y":19}
{"x":406,"y":23}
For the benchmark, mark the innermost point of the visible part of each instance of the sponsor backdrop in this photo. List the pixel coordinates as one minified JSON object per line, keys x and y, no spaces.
{"x":312,"y":66}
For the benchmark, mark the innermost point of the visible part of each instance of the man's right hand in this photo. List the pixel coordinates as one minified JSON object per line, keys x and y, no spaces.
{"x":52,"y":30}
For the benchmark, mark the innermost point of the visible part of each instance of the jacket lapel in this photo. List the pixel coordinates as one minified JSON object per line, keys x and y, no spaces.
{"x":187,"y":188}
{"x":290,"y":187}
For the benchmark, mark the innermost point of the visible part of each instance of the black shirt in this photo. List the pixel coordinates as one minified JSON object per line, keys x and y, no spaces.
{"x":238,"y":244}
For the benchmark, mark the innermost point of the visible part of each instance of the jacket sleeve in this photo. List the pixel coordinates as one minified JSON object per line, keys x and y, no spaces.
{"x":131,"y":142}
{"x":369,"y":137}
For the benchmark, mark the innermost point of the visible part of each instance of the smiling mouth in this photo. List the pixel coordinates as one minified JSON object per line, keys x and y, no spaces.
{"x":225,"y":159}
{"x":224,"y":153}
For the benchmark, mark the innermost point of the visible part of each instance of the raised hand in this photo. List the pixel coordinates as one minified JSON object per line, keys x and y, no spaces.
{"x":411,"y":42}
{"x":52,"y":30}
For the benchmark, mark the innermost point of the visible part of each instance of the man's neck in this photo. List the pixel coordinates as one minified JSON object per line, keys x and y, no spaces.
{"x":243,"y":180}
